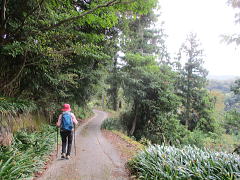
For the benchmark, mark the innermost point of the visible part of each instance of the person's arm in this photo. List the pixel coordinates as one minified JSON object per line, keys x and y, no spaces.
{"x":74,"y":119}
{"x":58,"y":124}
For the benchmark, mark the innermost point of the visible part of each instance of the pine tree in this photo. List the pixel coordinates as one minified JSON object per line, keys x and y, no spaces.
{"x":139,"y":42}
{"x":197,"y":104}
{"x":148,"y":84}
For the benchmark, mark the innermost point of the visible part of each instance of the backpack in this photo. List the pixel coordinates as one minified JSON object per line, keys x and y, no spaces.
{"x":67,"y":123}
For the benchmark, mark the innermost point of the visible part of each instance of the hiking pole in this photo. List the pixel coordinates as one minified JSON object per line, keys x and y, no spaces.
{"x":74,"y":140}
{"x":57,"y":142}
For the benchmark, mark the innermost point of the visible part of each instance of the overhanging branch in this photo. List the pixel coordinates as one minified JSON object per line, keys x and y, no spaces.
{"x":108,"y":4}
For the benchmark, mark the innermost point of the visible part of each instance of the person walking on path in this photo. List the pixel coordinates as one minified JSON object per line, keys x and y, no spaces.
{"x":66,"y":122}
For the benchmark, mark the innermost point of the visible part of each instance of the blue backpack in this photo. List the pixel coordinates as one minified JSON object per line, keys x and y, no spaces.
{"x":67,"y":123}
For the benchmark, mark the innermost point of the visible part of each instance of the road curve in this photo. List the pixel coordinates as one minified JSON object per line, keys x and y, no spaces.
{"x":95,"y":159}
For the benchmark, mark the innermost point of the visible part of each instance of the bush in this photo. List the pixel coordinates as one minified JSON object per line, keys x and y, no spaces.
{"x":116,"y":122}
{"x":162,"y":128}
{"x":111,"y":124}
{"x":167,"y":162}
{"x":81,"y":112}
{"x":195,"y":138}
{"x":231,"y":122}
{"x":165,"y":128}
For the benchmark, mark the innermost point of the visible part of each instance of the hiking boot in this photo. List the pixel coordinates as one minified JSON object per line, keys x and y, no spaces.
{"x":68,"y":157}
{"x":63,"y":155}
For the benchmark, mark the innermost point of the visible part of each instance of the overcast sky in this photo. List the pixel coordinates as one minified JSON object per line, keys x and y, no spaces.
{"x":209,"y":19}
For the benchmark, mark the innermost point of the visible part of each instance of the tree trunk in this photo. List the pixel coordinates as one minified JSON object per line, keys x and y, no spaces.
{"x":120,"y":104}
{"x":115,"y":99}
{"x":115,"y":85}
{"x":103,"y":99}
{"x":188,"y":105}
{"x":134,"y":123}
{"x":3,"y":20}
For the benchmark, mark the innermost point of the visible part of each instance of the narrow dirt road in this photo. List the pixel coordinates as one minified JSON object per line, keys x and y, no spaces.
{"x":95,"y":159}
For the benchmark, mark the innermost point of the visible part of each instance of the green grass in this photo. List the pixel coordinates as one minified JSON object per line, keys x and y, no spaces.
{"x":188,"y":163}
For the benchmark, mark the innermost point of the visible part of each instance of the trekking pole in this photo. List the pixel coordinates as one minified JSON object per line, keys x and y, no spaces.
{"x":74,"y":140}
{"x":57,"y":142}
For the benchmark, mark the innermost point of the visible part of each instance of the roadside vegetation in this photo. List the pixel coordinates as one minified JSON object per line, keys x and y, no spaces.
{"x":27,"y":154}
{"x":169,"y":162}
{"x":113,"y":54}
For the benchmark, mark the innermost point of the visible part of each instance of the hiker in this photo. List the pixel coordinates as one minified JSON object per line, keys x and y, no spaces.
{"x":66,"y":122}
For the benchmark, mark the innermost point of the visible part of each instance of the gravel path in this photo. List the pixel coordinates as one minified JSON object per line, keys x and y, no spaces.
{"x":96,"y":158}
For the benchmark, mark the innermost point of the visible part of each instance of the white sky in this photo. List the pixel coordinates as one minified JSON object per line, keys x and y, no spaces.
{"x":209,"y":19}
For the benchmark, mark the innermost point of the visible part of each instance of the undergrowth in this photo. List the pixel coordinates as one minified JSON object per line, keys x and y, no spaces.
{"x":14,"y":106}
{"x":27,"y":154}
{"x":159,"y":162}
{"x":111,"y":124}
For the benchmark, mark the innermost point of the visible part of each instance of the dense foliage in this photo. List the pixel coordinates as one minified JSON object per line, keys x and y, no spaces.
{"x":56,"y":51}
{"x":112,"y":124}
{"x":231,"y":123}
{"x":147,"y":87}
{"x":15,"y":106}
{"x":166,"y":162}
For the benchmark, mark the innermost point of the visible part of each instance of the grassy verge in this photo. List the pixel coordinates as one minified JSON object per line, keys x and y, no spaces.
{"x":129,"y":140}
{"x":126,"y":146}
{"x":28,"y":154}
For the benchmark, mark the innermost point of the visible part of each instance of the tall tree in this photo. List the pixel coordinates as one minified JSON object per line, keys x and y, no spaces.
{"x":197,"y":105}
{"x":148,"y":87}
{"x":113,"y":78}
{"x":135,"y":36}
{"x":233,"y":102}
{"x":139,"y":42}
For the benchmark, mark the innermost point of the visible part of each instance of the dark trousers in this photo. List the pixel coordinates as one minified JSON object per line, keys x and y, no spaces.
{"x":67,"y":137}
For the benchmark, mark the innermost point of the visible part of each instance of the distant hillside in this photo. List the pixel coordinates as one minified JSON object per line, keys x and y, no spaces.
{"x":223,"y":77}
{"x":221,"y":83}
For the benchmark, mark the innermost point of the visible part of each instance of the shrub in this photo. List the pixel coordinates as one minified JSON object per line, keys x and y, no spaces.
{"x":116,"y":122}
{"x":81,"y":112}
{"x":167,"y":162}
{"x":111,"y":124}
{"x":195,"y":138}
